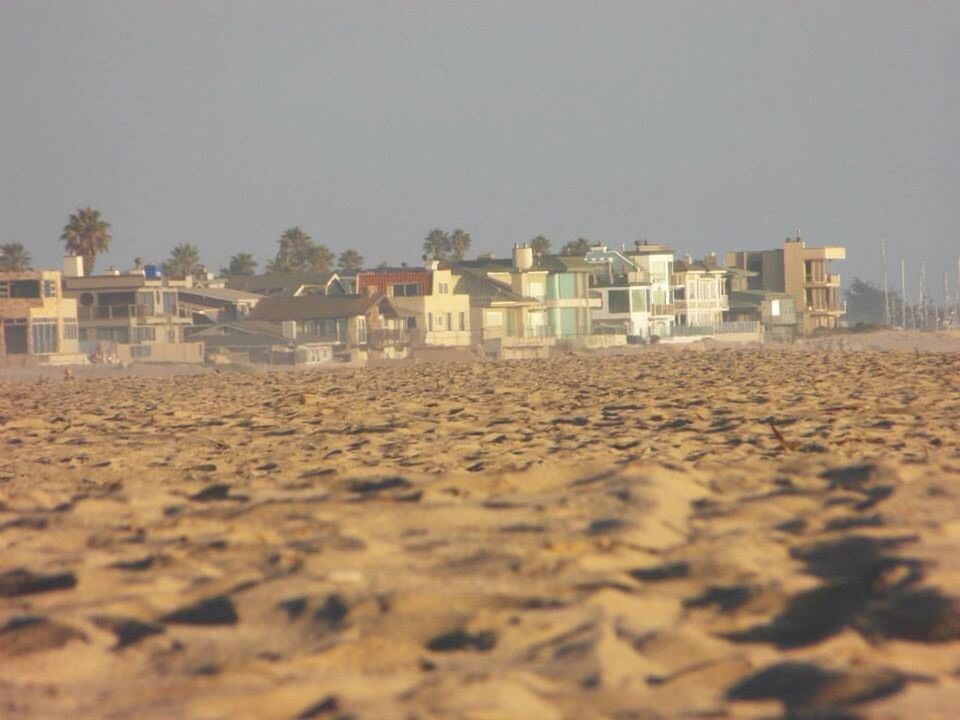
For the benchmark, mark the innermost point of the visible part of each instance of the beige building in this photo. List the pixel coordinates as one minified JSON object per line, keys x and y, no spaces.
{"x":434,"y":313}
{"x":804,"y":273}
{"x":133,"y":316}
{"x":36,"y":320}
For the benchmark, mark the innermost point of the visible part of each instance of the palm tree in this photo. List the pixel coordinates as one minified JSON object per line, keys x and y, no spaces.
{"x":436,"y":246}
{"x":240,"y":264}
{"x":86,"y":234}
{"x":459,"y":244}
{"x":14,"y":258}
{"x":350,"y":260}
{"x":184,"y":261}
{"x":540,"y":245}
{"x":580,"y":246}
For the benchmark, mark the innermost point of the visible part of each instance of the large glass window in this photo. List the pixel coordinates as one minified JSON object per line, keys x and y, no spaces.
{"x":70,"y":331}
{"x":406,"y":289}
{"x":45,"y":337}
{"x":619,"y":301}
{"x":639,"y":300}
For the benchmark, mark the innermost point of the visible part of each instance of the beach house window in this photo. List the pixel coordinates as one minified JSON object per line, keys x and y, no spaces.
{"x":463,"y":321}
{"x":44,"y":336}
{"x":449,"y":321}
{"x":430,"y":322}
{"x":49,"y":289}
{"x":639,"y":300}
{"x":24,"y":289}
{"x":141,"y":334}
{"x":775,"y":308}
{"x":406,"y":290}
{"x":444,"y":288}
{"x":361,"y":329}
{"x":619,"y":301}
{"x":70,"y":331}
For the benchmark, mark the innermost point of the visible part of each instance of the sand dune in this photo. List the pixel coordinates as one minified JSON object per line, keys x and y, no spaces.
{"x":738,"y":534}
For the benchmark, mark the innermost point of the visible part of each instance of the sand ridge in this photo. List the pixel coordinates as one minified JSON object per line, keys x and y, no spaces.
{"x":695,"y":534}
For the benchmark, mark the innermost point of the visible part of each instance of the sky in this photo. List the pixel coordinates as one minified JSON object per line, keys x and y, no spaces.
{"x":708,"y":126}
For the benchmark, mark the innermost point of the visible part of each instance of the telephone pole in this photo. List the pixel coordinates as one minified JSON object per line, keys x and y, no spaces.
{"x":903,"y":292}
{"x":923,"y":300}
{"x":886,"y":286}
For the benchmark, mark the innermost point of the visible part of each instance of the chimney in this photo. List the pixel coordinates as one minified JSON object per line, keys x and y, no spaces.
{"x":73,"y":266}
{"x":522,"y":257}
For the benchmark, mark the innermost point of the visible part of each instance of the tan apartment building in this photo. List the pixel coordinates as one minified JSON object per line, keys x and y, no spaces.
{"x":36,"y":321}
{"x":136,"y":315}
{"x":804,"y":273}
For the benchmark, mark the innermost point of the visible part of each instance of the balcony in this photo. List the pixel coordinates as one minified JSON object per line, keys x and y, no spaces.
{"x":663,"y":310}
{"x":824,"y":280}
{"x":380,"y":338}
{"x":138,"y":313}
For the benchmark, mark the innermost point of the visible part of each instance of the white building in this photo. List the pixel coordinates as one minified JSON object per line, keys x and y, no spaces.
{"x":700,"y":293}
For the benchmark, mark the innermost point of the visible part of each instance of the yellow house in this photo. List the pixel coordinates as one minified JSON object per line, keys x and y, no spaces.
{"x":37,"y":321}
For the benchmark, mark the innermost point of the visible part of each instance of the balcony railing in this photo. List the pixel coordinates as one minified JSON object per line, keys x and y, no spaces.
{"x":127,"y":312}
{"x":657,"y":309}
{"x":824,"y":279}
{"x":378,"y":338}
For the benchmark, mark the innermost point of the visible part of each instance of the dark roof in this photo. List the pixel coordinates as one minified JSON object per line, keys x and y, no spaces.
{"x":313,"y":307}
{"x":279,"y":283}
{"x":227,"y":294}
{"x":566,"y":263}
{"x":479,"y":286}
{"x":241,"y":333}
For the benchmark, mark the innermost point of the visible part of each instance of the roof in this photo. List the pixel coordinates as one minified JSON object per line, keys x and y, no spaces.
{"x":241,"y":333}
{"x":568,"y":263}
{"x":221,"y":294}
{"x":313,"y":307}
{"x":479,"y":286}
{"x":696,"y":266}
{"x":280,"y":283}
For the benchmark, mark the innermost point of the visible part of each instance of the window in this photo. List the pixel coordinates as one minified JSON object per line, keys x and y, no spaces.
{"x":430,"y":322}
{"x":49,"y":289}
{"x":639,"y":300}
{"x":361,"y":329}
{"x":619,"y":301}
{"x":70,"y":331}
{"x":449,"y":321}
{"x":24,"y":289}
{"x":411,"y":323}
{"x":141,"y":334}
{"x":406,"y":290}
{"x":444,"y":289}
{"x":45,"y":337}
{"x":775,"y":308}
{"x":463,"y":321}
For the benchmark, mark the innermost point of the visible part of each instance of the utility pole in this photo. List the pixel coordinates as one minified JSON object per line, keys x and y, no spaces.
{"x":903,"y":292}
{"x":923,"y":301}
{"x":886,"y":286}
{"x":946,"y":298}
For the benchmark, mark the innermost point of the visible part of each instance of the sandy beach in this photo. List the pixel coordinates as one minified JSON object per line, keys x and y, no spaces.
{"x":668,"y":534}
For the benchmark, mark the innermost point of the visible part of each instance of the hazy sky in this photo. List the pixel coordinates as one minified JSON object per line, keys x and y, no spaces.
{"x":706,"y":125}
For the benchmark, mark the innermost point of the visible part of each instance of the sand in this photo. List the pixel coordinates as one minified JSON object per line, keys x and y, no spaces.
{"x":698,"y":533}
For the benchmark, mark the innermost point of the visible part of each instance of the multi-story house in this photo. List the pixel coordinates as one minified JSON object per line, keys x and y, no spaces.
{"x":802,"y":272}
{"x":434,"y":312}
{"x":700,"y":293}
{"x":36,"y":321}
{"x":135,"y":316}
{"x":656,"y":261}
{"x":621,"y":293}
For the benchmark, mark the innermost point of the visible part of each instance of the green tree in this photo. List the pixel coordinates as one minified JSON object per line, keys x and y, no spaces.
{"x":298,"y":253}
{"x":459,"y":244}
{"x":350,"y":260}
{"x":865,"y":303}
{"x":14,"y":258}
{"x":184,"y":261}
{"x":580,"y":246}
{"x":86,"y":234}
{"x":240,"y":264}
{"x":436,"y":246}
{"x":540,"y":245}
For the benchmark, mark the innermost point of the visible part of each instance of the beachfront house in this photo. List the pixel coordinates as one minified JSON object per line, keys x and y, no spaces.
{"x":774,"y":311}
{"x":209,"y":305}
{"x":433,"y":312}
{"x":132,"y":316}
{"x":804,"y":273}
{"x":356,"y":326}
{"x":656,"y":263}
{"x":700,"y":294}
{"x":37,"y":322}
